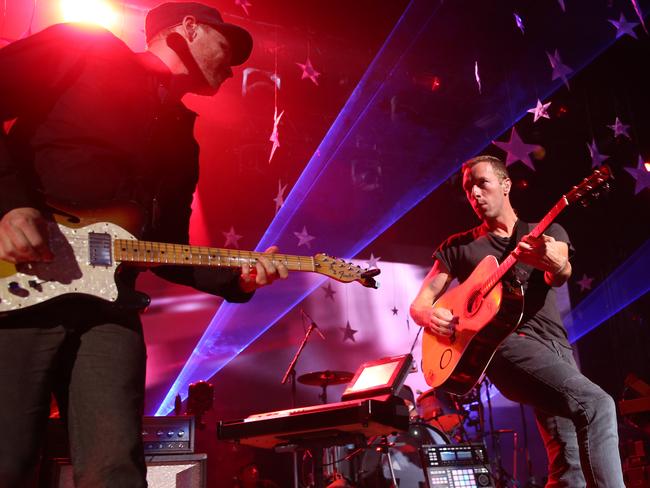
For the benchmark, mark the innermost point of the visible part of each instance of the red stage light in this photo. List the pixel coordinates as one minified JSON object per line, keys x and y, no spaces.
{"x":436,"y":82}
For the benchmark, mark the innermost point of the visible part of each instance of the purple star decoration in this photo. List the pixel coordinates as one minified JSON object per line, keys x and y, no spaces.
{"x":540,"y":111}
{"x":585,"y":282}
{"x":232,"y":238}
{"x":619,"y":128}
{"x":348,"y":332}
{"x":560,"y":70}
{"x":304,"y":239}
{"x":641,"y":175}
{"x":517,"y":150}
{"x":623,"y":27}
{"x":596,"y":158}
{"x":308,"y":71}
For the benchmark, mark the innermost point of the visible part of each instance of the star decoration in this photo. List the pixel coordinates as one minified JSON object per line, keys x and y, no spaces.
{"x":232,"y":238}
{"x":517,"y":150}
{"x":560,"y":70}
{"x":348,"y":332}
{"x":596,"y":158}
{"x":562,"y":6}
{"x":244,"y":4}
{"x":540,"y":110}
{"x":304,"y":238}
{"x":394,"y":310}
{"x":279,"y":199}
{"x":308,"y":71}
{"x":477,"y":76}
{"x":585,"y":282}
{"x":275,"y":138}
{"x":641,"y":175}
{"x":519,"y":22}
{"x":623,"y":27}
{"x":329,"y":291}
{"x":620,"y":129}
{"x":372,"y":261}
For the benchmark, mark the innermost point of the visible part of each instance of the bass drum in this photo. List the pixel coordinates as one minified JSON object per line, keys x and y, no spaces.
{"x":405,"y":456}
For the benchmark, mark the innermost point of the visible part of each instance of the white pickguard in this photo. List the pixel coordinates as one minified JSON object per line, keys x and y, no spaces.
{"x":69,"y":272}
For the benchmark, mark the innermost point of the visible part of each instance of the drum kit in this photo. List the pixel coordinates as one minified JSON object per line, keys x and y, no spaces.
{"x":436,"y":417}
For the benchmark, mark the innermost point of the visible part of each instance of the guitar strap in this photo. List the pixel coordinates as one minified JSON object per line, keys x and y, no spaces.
{"x":519,"y":274}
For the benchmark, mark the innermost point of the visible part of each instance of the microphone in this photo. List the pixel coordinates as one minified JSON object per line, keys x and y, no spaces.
{"x":311,"y":321}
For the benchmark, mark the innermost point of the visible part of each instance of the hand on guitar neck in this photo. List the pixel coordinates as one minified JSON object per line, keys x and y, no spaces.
{"x":546,"y":254}
{"x":23,"y":236}
{"x":264,"y":273}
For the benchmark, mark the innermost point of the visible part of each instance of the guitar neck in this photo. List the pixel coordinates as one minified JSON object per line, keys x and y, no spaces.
{"x":155,"y":253}
{"x":510,"y":261}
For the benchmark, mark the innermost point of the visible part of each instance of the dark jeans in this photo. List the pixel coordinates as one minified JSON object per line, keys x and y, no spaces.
{"x":94,"y":362}
{"x":576,"y":418}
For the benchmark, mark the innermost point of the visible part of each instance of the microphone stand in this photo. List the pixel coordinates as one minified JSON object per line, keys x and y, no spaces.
{"x":291,"y":371}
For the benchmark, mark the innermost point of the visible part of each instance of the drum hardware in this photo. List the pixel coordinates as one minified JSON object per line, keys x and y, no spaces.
{"x":325,"y":379}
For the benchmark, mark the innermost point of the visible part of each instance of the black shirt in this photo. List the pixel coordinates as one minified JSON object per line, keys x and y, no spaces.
{"x":462,"y":252}
{"x":92,"y":126}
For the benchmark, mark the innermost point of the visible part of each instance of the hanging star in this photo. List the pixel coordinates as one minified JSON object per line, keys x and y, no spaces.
{"x":348,"y":332}
{"x":329,"y":291}
{"x":394,"y":310}
{"x":279,"y":199}
{"x":623,"y":27}
{"x":517,"y":150}
{"x":641,"y":175}
{"x":519,"y":22}
{"x":304,"y":238}
{"x":540,"y":110}
{"x":562,"y":6}
{"x":244,"y":4}
{"x":477,"y":76}
{"x":232,"y":238}
{"x":275,"y":138}
{"x":560,"y":70}
{"x":308,"y":71}
{"x":596,"y":158}
{"x":585,"y":283}
{"x":620,"y":129}
{"x":372,"y":261}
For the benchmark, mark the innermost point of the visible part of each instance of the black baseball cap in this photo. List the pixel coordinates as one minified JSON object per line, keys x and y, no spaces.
{"x":170,"y":14}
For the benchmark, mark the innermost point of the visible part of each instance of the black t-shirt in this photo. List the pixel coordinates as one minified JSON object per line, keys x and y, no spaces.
{"x":462,"y":252}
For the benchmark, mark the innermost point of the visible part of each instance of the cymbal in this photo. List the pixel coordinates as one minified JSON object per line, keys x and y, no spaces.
{"x":325,"y":378}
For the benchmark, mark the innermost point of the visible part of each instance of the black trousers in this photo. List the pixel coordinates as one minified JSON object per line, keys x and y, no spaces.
{"x":93,"y":360}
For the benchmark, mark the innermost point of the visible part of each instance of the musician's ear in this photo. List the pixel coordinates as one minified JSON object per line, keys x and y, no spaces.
{"x":507,"y":184}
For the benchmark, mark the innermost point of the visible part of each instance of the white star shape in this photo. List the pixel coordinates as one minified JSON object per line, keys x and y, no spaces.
{"x":620,"y":129}
{"x":585,"y":283}
{"x":308,"y":71}
{"x":596,"y":157}
{"x":519,"y":22}
{"x":304,"y":239}
{"x":232,"y":238}
{"x":517,"y":150}
{"x":540,"y":110}
{"x":372,"y":261}
{"x":244,"y":4}
{"x":279,"y":199}
{"x":641,"y":175}
{"x":560,"y":70}
{"x":623,"y":27}
{"x":275,"y":137}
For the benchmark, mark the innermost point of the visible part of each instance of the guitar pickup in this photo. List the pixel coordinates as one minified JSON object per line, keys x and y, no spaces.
{"x":99,"y":249}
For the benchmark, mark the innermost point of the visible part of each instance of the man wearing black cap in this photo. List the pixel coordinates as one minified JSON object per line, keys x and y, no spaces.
{"x":95,"y":123}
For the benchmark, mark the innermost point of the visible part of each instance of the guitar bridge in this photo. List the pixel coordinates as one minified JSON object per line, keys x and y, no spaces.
{"x":99,"y":249}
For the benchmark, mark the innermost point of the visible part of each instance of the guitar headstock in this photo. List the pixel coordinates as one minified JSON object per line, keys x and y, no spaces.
{"x":591,"y":187}
{"x":344,"y":271}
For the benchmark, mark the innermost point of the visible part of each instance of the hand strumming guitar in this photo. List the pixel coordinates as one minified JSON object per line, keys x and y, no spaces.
{"x":23,"y":236}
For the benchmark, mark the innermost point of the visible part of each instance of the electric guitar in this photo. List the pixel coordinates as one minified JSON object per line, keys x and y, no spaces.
{"x":487,"y":309}
{"x":89,"y":245}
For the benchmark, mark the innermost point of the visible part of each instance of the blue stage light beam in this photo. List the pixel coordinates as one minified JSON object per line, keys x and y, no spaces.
{"x":626,"y":284}
{"x":395,"y":141}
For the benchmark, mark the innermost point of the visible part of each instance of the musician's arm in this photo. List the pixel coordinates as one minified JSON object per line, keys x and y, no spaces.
{"x":422,"y":311}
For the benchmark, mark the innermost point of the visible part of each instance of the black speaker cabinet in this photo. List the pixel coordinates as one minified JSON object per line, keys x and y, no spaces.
{"x":166,"y":471}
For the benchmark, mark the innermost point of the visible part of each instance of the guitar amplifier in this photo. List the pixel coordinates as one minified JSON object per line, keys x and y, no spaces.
{"x":160,"y":435}
{"x":455,"y":466}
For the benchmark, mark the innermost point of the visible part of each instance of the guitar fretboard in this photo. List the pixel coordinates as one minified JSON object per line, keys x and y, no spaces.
{"x":510,"y":261}
{"x":152,"y":253}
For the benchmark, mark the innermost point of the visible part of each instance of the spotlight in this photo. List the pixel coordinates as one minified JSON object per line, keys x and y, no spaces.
{"x":97,"y":12}
{"x":646,"y":165}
